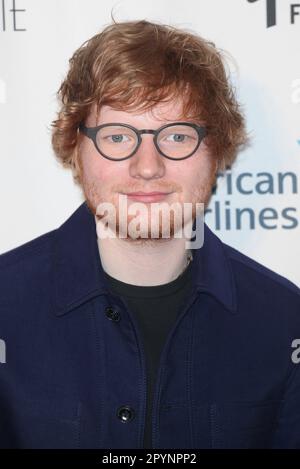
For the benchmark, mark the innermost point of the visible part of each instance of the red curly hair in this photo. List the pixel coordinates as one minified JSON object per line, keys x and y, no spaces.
{"x":135,"y":65}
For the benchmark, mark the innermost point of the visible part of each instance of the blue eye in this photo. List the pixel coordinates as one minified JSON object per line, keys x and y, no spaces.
{"x":179,"y":137}
{"x":116,"y":138}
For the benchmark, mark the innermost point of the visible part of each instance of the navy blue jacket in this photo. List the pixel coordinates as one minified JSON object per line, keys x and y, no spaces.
{"x":74,"y":375}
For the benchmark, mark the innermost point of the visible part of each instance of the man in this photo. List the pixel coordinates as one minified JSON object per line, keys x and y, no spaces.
{"x":128,"y":340}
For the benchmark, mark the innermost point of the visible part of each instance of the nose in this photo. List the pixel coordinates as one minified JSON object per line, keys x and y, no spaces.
{"x":147,"y":163}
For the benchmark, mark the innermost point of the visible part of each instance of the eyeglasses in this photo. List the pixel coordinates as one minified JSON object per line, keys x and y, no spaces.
{"x":117,"y":141}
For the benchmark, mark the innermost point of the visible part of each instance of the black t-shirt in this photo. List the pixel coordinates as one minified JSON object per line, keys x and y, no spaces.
{"x":155,"y":309}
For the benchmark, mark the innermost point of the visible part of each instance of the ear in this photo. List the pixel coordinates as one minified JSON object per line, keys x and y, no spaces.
{"x":220,"y":165}
{"x":76,"y":166}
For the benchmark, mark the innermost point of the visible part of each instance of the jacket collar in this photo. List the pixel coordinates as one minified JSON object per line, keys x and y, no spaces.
{"x":78,"y":274}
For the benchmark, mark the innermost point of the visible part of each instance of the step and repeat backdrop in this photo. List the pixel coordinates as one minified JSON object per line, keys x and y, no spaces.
{"x":256,"y":205}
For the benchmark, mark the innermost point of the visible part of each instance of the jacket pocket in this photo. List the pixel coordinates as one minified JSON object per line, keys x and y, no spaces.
{"x":243,"y":424}
{"x":41,"y":423}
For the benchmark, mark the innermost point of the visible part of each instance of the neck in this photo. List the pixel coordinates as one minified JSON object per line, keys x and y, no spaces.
{"x":145,"y":264}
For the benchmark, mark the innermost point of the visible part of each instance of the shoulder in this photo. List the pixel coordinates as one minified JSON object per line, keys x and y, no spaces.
{"x":30,"y":251}
{"x":257,"y":282}
{"x":24,"y":270}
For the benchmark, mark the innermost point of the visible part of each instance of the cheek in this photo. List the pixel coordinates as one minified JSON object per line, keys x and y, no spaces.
{"x":94,"y":169}
{"x":197,"y":179}
{"x":195,"y":172}
{"x":203,"y":168}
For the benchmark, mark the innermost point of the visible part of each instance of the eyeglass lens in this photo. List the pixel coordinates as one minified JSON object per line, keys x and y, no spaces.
{"x":118,"y":141}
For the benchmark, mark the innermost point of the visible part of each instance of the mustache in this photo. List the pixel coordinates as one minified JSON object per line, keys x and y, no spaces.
{"x":159,"y":187}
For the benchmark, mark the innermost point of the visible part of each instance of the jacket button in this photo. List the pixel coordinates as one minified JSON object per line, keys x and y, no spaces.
{"x":112,"y":314}
{"x":125,"y":413}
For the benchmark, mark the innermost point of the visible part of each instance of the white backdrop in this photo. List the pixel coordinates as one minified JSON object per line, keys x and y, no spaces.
{"x":37,"y":38}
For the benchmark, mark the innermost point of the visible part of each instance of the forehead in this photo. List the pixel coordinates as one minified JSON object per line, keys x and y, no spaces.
{"x":162,"y":112}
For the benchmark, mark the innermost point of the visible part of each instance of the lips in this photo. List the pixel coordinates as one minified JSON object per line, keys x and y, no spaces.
{"x":148,"y":193}
{"x":147,"y":196}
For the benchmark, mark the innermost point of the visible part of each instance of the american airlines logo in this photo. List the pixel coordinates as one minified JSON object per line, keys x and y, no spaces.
{"x":271,"y":11}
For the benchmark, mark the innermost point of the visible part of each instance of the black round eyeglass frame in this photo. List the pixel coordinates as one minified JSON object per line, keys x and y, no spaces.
{"x":91,"y":132}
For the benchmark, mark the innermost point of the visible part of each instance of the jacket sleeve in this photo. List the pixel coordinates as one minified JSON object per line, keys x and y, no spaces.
{"x":287,"y":430}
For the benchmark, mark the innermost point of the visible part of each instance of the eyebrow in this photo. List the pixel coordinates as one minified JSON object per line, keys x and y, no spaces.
{"x":161,"y":124}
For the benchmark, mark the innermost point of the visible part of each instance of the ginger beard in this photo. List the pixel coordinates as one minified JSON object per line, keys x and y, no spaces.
{"x":95,"y":195}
